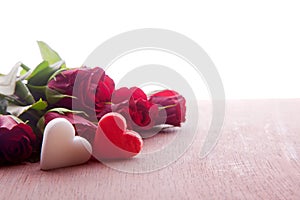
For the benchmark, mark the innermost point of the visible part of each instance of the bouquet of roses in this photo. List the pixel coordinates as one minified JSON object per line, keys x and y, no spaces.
{"x":31,"y":98}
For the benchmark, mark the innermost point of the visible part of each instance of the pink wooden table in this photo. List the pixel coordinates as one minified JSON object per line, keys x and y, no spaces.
{"x":257,"y":157}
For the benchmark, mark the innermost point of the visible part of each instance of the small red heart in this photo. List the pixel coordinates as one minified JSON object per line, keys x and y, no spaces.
{"x":113,"y":141}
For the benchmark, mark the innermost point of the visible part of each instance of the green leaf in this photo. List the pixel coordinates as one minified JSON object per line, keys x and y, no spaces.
{"x":19,"y":110}
{"x":41,"y":67}
{"x":23,"y":94}
{"x":8,"y":82}
{"x":37,"y":91}
{"x":43,"y":72}
{"x":39,"y":105}
{"x":48,"y":54}
{"x":57,"y":72}
{"x":41,"y":124}
{"x":65,"y":110}
{"x":54,"y":96}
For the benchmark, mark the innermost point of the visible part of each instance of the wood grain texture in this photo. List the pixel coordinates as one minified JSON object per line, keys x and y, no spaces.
{"x":257,"y":157}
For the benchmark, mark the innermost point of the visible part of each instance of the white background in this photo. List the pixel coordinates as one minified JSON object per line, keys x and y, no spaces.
{"x":255,"y":45}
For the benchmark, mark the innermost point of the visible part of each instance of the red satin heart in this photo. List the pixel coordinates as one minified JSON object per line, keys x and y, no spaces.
{"x":113,"y":141}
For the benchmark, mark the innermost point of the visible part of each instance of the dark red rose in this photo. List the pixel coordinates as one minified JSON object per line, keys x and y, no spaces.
{"x":83,"y":127}
{"x":91,"y":87}
{"x":16,"y":140}
{"x":133,"y":104}
{"x":103,"y":109}
{"x":172,"y":107}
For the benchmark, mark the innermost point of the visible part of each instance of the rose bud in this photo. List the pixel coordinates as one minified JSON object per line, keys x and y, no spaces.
{"x":132,"y":103}
{"x":92,"y":93}
{"x":83,"y":127}
{"x":172,"y":107}
{"x":16,"y":140}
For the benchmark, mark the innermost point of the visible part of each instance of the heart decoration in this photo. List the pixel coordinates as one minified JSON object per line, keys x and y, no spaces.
{"x":61,"y":148}
{"x":113,"y":141}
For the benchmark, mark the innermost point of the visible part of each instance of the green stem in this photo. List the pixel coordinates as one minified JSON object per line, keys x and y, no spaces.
{"x":25,"y":67}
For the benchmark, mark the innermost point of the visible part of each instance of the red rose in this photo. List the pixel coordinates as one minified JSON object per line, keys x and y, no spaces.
{"x":92,"y":93}
{"x":16,"y":140}
{"x":134,"y":106}
{"x":172,"y":107}
{"x":83,"y":127}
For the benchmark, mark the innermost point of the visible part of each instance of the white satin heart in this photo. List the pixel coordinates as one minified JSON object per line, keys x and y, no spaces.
{"x":61,"y":148}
